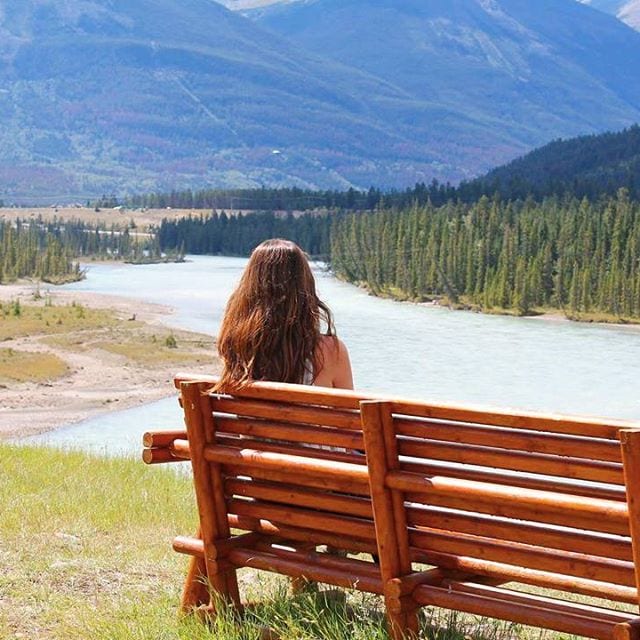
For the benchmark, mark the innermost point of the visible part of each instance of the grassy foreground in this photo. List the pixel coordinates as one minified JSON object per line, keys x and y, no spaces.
{"x":85,"y":553}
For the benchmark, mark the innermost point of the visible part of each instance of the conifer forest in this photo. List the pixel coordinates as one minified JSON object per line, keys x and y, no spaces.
{"x":518,"y":256}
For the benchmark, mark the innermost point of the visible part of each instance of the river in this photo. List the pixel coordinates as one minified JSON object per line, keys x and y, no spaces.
{"x":401,"y":348}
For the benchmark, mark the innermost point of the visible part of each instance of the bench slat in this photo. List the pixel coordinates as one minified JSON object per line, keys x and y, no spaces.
{"x":326,"y":483}
{"x":291,"y":494}
{"x":284,"y":392}
{"x":577,"y":541}
{"x":315,"y":466}
{"x":511,"y":439}
{"x":523,"y":575}
{"x":291,"y":432}
{"x":295,"y":567}
{"x":293,"y":449}
{"x":288,"y":532}
{"x":509,"y":477}
{"x":591,"y":514}
{"x":358,"y":528}
{"x":553,"y":423}
{"x":548,"y":603}
{"x":282,"y":412}
{"x":521,"y":555}
{"x":606,"y":472}
{"x":530,"y":614}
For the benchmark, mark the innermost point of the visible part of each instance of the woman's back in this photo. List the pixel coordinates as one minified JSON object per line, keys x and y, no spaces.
{"x":336,"y":366}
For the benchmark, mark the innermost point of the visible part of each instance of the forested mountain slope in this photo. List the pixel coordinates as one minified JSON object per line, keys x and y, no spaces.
{"x":99,"y":96}
{"x":585,"y":166}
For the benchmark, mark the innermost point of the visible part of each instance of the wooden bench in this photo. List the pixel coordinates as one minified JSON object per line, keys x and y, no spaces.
{"x":456,"y":502}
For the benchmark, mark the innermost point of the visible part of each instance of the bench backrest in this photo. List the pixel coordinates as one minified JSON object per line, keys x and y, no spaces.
{"x":281,"y":459}
{"x":512,"y":496}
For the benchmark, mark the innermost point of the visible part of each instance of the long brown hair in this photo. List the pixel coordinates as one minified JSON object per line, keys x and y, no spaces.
{"x":274,"y":320}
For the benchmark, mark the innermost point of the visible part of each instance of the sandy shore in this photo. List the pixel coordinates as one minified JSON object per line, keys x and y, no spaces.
{"x":548,"y":316}
{"x":98,"y":381}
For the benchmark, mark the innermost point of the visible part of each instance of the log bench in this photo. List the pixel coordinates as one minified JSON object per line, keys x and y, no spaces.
{"x":466,"y":508}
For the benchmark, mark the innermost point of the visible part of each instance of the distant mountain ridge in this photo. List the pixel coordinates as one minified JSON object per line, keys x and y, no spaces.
{"x":98,"y":96}
{"x":626,"y":10}
{"x":127,"y":95}
{"x":533,"y":70}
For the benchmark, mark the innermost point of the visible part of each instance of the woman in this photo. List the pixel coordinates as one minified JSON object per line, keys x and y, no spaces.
{"x":276,"y":328}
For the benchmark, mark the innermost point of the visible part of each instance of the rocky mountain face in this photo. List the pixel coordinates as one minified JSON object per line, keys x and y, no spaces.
{"x":626,"y":10}
{"x":136,"y":95}
{"x":539,"y":69}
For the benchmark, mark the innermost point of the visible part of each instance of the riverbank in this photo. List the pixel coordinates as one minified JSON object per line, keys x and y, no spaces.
{"x":550,"y":314}
{"x":88,"y":354}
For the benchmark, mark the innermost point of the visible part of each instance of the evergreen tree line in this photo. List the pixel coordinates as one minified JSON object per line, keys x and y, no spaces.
{"x":46,"y":249}
{"x":219,"y":233}
{"x":287,"y":199}
{"x":33,"y":251}
{"x":526,"y":177}
{"x":570,"y":254}
{"x":587,"y":166}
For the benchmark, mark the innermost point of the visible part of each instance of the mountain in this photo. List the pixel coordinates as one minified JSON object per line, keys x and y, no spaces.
{"x":533,"y":70}
{"x":137,"y":95}
{"x":585,"y":166}
{"x":142,"y":95}
{"x":243,"y":5}
{"x":627,"y":10}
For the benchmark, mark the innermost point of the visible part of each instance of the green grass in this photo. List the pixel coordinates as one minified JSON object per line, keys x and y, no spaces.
{"x":28,"y":320}
{"x":86,"y":540}
{"x":26,"y":366}
{"x":85,"y":553}
{"x":145,"y":349}
{"x":78,"y":329}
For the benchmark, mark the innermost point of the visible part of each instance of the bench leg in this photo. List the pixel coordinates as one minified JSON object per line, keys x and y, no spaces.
{"x":403,"y":625}
{"x":299,"y":584}
{"x":389,"y":516}
{"x":196,"y":588}
{"x":209,"y":488}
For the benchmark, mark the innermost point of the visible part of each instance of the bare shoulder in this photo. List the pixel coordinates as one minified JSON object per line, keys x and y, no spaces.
{"x":332,"y":347}
{"x":336,"y":366}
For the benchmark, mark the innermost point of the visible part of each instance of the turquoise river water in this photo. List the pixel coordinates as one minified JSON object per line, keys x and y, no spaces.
{"x":401,"y":348}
